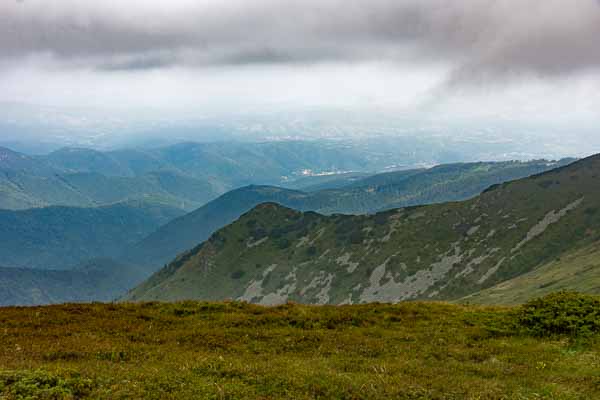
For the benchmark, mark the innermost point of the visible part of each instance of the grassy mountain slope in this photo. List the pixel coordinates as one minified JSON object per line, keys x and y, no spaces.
{"x":60,"y":237}
{"x":382,"y":191}
{"x":408,"y":351}
{"x":94,"y":280}
{"x":447,"y":251}
{"x":187,"y":231}
{"x":576,"y":270}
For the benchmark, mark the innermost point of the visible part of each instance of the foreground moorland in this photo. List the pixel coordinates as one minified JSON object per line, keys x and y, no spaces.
{"x":236,"y":350}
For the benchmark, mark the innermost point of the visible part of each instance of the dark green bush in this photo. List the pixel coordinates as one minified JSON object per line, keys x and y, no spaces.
{"x":43,"y":385}
{"x":562,"y":313}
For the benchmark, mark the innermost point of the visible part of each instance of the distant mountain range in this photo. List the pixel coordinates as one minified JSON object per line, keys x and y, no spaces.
{"x":62,"y":237}
{"x":129,"y":205}
{"x":95,"y":180}
{"x":365,"y":195}
{"x":186,"y":175}
{"x":94,"y":280}
{"x":512,"y":242}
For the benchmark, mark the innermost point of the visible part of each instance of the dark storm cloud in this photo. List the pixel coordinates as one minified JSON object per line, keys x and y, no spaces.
{"x":478,"y":38}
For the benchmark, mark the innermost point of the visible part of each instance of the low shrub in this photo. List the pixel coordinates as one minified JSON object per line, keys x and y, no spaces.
{"x":42,"y":385}
{"x":562,"y":313}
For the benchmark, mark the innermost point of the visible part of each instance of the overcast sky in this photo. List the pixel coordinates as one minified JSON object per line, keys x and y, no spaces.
{"x":529,"y":60}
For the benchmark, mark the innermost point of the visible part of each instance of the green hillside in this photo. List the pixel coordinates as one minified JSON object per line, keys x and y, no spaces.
{"x":449,"y":182}
{"x":273,"y":254}
{"x":575,"y":270}
{"x":61,"y":237}
{"x":373,"y":193}
{"x":188,"y":230}
{"x":94,"y":280}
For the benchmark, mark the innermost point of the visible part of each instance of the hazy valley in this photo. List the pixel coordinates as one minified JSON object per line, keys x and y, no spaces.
{"x":129,"y":206}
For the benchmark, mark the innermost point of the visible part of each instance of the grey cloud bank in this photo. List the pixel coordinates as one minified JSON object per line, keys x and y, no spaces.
{"x":478,"y":40}
{"x":510,"y":67}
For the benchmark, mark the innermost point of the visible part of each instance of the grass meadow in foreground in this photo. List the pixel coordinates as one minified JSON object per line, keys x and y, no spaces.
{"x":234,"y":350}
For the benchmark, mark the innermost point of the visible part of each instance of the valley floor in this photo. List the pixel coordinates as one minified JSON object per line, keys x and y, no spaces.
{"x":240,"y":351}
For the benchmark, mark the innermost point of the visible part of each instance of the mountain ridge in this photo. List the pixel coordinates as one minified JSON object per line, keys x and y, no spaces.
{"x":273,"y":254}
{"x":377,"y":192}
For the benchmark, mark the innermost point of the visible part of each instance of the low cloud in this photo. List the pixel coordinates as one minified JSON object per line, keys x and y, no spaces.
{"x":479,"y":40}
